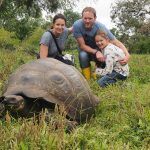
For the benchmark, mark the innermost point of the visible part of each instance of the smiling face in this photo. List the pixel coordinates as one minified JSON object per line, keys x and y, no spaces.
{"x":58,"y":26}
{"x":101,"y":41}
{"x":88,"y":19}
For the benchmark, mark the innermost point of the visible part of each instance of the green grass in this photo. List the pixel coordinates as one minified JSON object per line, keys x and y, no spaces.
{"x":122,"y":119}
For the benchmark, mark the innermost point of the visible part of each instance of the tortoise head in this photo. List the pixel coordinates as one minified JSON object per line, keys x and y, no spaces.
{"x":13,"y":102}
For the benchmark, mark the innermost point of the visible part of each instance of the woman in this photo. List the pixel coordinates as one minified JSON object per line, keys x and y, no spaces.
{"x":48,"y":46}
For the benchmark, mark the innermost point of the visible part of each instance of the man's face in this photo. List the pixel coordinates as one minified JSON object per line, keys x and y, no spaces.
{"x":88,"y":19}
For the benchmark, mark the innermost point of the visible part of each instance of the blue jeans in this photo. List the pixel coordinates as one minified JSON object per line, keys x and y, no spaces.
{"x":85,"y":58}
{"x":110,"y":79}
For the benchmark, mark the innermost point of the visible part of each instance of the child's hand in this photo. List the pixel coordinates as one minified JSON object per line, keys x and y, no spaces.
{"x":125,"y":60}
{"x":100,"y":56}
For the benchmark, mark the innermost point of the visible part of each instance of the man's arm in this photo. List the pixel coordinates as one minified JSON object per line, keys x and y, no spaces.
{"x":88,"y":49}
{"x":120,"y":45}
{"x":70,"y":30}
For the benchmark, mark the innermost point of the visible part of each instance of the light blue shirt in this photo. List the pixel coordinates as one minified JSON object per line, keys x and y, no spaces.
{"x":79,"y":30}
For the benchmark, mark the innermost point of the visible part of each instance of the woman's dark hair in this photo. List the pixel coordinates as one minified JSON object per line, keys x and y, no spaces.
{"x":59,"y":16}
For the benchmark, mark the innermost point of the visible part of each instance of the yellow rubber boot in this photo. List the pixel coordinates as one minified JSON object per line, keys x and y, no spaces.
{"x":86,"y":73}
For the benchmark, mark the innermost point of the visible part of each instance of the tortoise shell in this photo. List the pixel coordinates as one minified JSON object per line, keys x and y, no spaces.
{"x":54,"y":82}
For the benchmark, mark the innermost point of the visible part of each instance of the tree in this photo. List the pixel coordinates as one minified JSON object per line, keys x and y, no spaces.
{"x":71,"y":18}
{"x":132,"y":20}
{"x":130,"y":15}
{"x":15,"y":17}
{"x":22,"y":16}
{"x":34,"y":7}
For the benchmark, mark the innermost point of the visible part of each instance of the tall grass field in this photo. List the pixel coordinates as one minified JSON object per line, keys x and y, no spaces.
{"x":122,"y":120}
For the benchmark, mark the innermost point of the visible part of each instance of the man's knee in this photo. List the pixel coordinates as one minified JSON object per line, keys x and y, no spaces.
{"x":83,"y":55}
{"x":84,"y":59}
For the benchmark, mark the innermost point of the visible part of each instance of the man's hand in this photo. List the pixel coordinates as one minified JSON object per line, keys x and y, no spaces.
{"x":100,"y":56}
{"x":125,"y":60}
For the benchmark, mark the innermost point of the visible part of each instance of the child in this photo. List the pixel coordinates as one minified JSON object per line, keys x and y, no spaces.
{"x":113,"y":70}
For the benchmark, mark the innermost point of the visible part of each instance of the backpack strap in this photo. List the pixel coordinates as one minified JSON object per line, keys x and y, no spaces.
{"x":60,"y":52}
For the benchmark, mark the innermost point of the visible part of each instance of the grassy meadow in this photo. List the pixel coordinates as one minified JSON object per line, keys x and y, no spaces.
{"x":122,"y":120}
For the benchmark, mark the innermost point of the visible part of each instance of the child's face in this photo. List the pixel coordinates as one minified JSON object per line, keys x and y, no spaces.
{"x":101,"y":42}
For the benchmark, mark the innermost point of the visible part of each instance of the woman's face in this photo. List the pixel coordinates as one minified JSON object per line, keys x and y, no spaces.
{"x":58,"y":26}
{"x":101,"y":42}
{"x":88,"y":19}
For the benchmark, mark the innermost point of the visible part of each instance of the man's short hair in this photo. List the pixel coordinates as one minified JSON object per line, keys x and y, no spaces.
{"x":89,"y":9}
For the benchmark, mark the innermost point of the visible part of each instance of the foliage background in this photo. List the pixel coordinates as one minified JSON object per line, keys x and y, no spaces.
{"x":132,"y":20}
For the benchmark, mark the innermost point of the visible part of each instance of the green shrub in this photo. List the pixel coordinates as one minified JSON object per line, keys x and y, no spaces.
{"x":34,"y":38}
{"x":71,"y":43}
{"x":8,"y":39}
{"x":9,"y":61}
{"x":32,"y":42}
{"x":139,"y":44}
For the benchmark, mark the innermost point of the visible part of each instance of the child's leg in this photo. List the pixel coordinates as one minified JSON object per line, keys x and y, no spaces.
{"x":106,"y":80}
{"x":110,"y":79}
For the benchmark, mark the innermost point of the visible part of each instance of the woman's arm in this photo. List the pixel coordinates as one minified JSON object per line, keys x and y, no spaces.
{"x":43,"y":51}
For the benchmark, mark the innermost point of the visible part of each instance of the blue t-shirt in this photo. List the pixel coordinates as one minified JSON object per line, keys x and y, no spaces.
{"x":79,"y":30}
{"x":48,"y":40}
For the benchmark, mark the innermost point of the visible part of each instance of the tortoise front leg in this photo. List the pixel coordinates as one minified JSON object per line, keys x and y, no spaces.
{"x":2,"y":109}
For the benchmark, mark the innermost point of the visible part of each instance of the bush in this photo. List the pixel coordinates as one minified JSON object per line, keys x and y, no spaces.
{"x":139,"y":44}
{"x":71,"y":43}
{"x":31,"y":44}
{"x":8,"y":39}
{"x":143,"y":45}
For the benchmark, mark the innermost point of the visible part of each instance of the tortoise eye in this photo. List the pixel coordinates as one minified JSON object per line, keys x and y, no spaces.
{"x":57,"y":79}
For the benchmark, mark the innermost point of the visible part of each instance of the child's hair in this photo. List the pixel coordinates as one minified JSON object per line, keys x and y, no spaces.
{"x":102,"y":34}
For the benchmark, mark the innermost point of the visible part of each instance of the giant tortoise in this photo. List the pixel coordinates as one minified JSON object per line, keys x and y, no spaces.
{"x":44,"y":83}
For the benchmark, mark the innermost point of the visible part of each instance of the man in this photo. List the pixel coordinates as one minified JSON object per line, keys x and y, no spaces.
{"x":84,"y":31}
